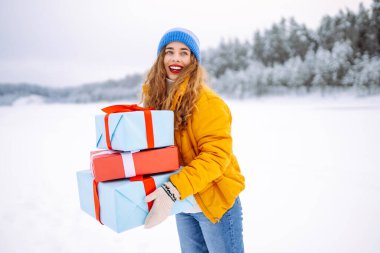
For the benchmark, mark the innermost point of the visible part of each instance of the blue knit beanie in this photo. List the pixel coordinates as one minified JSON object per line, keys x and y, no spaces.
{"x":182,"y":35}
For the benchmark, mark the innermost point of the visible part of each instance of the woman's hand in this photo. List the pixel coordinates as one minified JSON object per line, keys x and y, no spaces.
{"x":164,"y":198}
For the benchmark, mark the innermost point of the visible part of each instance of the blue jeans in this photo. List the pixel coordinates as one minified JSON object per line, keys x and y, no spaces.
{"x":197,"y":234}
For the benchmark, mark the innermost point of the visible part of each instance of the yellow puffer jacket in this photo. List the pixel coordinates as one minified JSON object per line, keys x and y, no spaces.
{"x":211,"y":172}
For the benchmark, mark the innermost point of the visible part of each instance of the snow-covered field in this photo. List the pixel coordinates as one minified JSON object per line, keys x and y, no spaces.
{"x":312,"y":169}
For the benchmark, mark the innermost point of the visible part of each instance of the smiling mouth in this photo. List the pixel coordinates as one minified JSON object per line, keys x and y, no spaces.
{"x":175,"y":69}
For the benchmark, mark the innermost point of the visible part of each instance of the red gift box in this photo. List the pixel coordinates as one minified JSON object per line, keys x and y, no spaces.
{"x":109,"y":165}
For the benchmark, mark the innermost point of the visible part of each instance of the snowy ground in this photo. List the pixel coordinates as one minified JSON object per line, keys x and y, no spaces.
{"x":312,"y":168}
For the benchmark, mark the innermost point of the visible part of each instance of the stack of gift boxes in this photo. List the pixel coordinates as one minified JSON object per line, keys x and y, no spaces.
{"x":138,"y":156}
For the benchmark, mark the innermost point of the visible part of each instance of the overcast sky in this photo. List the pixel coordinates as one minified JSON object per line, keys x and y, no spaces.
{"x":70,"y":42}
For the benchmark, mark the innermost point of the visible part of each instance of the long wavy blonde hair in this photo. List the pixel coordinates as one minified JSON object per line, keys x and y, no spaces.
{"x":156,"y":93}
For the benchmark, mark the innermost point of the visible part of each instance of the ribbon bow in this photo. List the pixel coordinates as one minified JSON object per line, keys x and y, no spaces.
{"x":124,"y":108}
{"x":130,"y":108}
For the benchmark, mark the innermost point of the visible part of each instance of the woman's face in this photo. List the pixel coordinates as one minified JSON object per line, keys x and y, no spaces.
{"x":177,"y":56}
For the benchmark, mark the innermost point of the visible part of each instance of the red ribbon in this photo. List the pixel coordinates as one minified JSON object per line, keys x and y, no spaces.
{"x":96,"y":200}
{"x":149,"y":187}
{"x":130,"y":108}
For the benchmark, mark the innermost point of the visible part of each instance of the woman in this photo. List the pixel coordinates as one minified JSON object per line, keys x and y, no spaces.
{"x":203,"y":135}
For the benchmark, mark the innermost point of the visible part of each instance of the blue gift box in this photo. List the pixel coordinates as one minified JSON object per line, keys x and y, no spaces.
{"x":122,"y":204}
{"x":127,"y":130}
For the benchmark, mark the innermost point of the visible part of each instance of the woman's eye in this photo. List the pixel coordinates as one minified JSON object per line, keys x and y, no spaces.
{"x":169,"y":52}
{"x":184,"y":53}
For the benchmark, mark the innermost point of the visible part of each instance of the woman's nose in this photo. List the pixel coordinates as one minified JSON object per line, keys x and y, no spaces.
{"x":175,"y":57}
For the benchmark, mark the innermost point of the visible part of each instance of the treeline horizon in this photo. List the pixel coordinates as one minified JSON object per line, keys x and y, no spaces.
{"x":342,"y":54}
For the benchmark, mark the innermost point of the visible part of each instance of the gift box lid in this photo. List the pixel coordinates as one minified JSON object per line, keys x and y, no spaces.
{"x":127,"y":130}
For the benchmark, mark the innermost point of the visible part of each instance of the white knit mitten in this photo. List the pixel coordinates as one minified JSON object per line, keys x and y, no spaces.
{"x":164,"y":198}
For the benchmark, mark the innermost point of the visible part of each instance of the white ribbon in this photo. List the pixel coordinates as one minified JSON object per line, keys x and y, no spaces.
{"x":128,"y":164}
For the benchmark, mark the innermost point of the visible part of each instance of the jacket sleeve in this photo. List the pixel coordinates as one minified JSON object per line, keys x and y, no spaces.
{"x":211,"y":127}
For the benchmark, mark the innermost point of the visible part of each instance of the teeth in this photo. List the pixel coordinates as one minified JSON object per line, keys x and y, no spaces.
{"x":175,"y":67}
